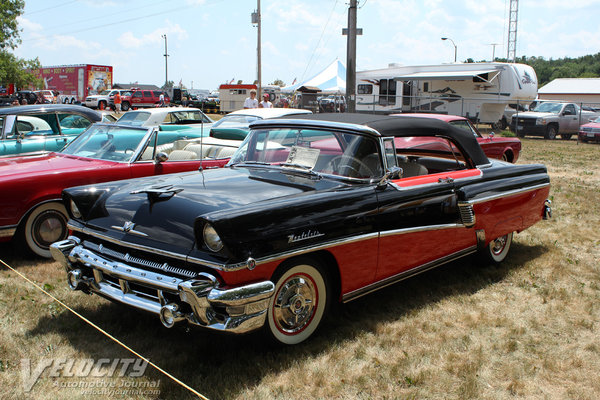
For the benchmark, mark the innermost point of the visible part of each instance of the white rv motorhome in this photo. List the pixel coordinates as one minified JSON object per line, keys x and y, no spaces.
{"x":479,"y":91}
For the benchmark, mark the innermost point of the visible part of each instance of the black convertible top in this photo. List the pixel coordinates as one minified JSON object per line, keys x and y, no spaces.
{"x":387,"y":126}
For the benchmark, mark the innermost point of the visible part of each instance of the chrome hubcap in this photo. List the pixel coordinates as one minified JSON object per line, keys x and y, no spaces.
{"x":49,"y":227}
{"x":295,"y":304}
{"x":499,"y":244}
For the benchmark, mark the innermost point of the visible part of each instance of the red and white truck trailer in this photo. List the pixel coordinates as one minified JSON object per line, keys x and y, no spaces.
{"x":75,"y":82}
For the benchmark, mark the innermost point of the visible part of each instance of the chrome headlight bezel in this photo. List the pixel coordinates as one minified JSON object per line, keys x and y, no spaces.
{"x":74,"y":210}
{"x":212,"y":240}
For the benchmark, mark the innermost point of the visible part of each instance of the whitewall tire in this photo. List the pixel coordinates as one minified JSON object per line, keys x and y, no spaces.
{"x":299,"y":303}
{"x":498,"y":248}
{"x":45,"y":225}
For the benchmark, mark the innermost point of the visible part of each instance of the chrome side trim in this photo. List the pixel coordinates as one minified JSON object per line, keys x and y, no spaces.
{"x":8,"y":231}
{"x":355,"y":294}
{"x":291,"y":253}
{"x":467,"y":214}
{"x":420,"y":229}
{"x":506,"y":194}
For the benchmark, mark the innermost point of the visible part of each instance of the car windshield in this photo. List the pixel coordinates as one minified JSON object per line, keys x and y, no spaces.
{"x":464,"y":125}
{"x":548,"y":107}
{"x":312,"y":151}
{"x":188,"y":117}
{"x":134,"y":118}
{"x":107,"y":142}
{"x":236,"y":121}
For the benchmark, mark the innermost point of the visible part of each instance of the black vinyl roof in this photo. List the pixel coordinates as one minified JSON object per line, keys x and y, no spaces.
{"x":389,"y":126}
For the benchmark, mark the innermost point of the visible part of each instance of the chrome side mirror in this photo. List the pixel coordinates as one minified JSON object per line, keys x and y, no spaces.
{"x":492,"y":134}
{"x":392,"y":173}
{"x":161,"y":157}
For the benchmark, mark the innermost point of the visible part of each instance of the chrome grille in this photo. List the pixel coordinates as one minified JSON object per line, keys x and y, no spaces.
{"x":589,"y":129}
{"x":467,"y":215}
{"x":136,"y":260}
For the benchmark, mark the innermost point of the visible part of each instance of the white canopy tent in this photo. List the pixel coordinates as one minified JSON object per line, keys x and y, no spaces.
{"x":330,"y":80}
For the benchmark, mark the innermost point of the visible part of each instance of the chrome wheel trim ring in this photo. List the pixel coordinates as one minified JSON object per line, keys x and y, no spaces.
{"x":295,"y":304}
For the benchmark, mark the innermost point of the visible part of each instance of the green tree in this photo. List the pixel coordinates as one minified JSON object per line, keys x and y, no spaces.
{"x":13,"y":69}
{"x":169,"y":85}
{"x":278,"y":82}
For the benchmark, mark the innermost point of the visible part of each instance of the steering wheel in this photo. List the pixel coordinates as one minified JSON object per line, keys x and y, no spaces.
{"x":336,"y":165}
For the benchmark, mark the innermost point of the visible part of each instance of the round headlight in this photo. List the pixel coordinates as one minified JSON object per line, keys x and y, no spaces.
{"x":74,"y":210}
{"x":211,"y":238}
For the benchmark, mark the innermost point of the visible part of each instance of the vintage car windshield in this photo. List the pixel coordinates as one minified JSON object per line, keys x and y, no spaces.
{"x":236,"y":121}
{"x":313,"y":151}
{"x":548,"y":107}
{"x":187,"y":117}
{"x":107,"y":142}
{"x":134,"y":118}
{"x":464,"y":125}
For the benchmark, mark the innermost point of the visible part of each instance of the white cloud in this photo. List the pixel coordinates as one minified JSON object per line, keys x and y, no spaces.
{"x":131,"y":41}
{"x":29,"y":26}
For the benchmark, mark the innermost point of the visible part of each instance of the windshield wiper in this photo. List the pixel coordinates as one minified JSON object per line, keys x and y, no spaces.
{"x":250,"y":162}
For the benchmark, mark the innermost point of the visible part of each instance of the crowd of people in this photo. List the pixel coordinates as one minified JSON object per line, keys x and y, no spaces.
{"x":252,"y":101}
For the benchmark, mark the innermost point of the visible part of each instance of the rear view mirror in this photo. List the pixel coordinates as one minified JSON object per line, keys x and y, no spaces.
{"x":161,"y":157}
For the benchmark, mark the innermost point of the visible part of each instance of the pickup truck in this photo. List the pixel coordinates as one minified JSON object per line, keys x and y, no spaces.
{"x":550,"y":119}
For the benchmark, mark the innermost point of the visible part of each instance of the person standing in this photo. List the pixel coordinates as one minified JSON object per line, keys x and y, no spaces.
{"x":265,"y":103}
{"x":251,"y":102}
{"x":117,"y":99}
{"x":161,"y":99}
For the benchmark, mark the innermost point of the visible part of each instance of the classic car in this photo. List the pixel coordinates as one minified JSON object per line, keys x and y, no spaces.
{"x":30,"y":187}
{"x":502,"y":148}
{"x":187,"y":116}
{"x":308,"y":211}
{"x":236,"y":124}
{"x":42,"y":127}
{"x":590,"y":132}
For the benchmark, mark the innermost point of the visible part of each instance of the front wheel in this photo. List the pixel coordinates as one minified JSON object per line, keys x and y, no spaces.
{"x":551,"y":132}
{"x":566,"y":136}
{"x":498,"y":248}
{"x":125,"y":106}
{"x":45,"y":225}
{"x":299,"y":303}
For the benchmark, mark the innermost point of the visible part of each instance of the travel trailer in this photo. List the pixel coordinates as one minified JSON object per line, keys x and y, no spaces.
{"x":478,"y":91}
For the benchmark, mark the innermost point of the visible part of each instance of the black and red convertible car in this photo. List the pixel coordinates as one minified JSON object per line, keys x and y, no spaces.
{"x":309,"y":211}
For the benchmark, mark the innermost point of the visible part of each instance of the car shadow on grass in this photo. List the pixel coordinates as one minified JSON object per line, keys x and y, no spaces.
{"x":223,"y":366}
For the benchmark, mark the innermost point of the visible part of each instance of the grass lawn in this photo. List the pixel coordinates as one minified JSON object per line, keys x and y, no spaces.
{"x":529,"y":328}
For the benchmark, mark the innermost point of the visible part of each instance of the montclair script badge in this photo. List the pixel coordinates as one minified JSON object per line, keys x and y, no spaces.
{"x":128,"y":228}
{"x":304,"y":236}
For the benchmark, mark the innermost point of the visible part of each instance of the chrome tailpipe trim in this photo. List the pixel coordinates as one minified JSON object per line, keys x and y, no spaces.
{"x":547,"y":209}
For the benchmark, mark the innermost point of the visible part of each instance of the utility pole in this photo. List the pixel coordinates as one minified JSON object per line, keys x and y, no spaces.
{"x":494,"y":50}
{"x":256,"y":19}
{"x":351,"y":58}
{"x":166,"y":63}
{"x":512,"y":31}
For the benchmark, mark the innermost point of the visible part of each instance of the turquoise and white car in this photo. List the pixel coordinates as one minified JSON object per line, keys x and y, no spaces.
{"x":39,"y":128}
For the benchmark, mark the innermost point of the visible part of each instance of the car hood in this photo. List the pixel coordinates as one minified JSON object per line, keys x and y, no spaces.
{"x":164,"y":210}
{"x":534,"y":114}
{"x":47,"y":164}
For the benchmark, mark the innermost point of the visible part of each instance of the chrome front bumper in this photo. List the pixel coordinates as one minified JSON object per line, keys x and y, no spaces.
{"x":200,"y":301}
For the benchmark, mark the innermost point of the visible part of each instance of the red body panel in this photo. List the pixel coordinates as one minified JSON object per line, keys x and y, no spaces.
{"x":28,"y":181}
{"x":434,"y":178}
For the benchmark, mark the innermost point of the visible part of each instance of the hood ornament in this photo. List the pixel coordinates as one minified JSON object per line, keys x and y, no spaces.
{"x":128,"y":228}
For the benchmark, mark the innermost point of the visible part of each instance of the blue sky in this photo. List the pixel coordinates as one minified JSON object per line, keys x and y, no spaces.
{"x":213,"y":41}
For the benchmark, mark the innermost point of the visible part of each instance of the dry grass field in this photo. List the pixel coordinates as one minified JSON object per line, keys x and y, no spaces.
{"x":529,"y":328}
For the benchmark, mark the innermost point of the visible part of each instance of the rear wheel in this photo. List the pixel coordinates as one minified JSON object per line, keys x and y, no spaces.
{"x":551,"y":132}
{"x":45,"y":225}
{"x":566,"y":136}
{"x":299,"y":303}
{"x":498,"y":249}
{"x":102,"y":105}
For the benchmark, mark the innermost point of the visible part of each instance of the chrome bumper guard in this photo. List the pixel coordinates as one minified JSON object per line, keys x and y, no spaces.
{"x":237,"y":310}
{"x":547,"y":209}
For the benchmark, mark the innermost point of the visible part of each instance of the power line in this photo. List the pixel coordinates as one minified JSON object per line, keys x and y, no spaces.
{"x":51,"y":8}
{"x":319,"y":41}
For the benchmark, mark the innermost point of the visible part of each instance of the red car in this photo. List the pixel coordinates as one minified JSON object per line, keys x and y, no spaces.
{"x":590,"y":132}
{"x":30,"y":202}
{"x":502,"y":148}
